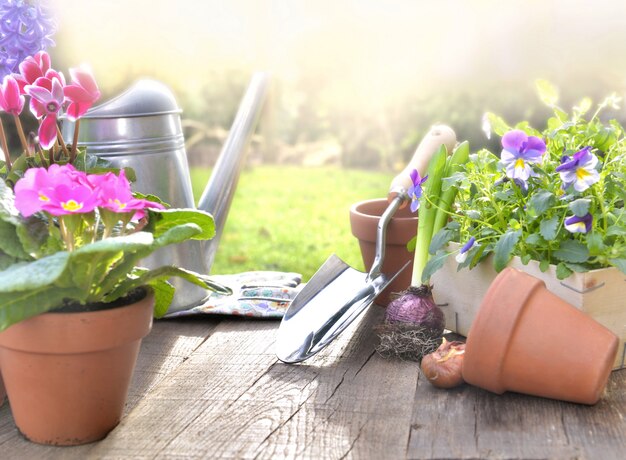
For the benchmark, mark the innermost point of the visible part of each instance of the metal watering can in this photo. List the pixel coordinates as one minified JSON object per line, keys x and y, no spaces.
{"x":141,"y":129}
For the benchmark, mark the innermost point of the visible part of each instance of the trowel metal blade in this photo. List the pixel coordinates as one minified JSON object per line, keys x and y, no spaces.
{"x":327,"y":305}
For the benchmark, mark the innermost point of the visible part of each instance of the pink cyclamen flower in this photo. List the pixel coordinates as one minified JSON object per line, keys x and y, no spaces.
{"x":32,"y":68}
{"x":11,"y":101}
{"x":36,"y":107}
{"x":114,"y":194}
{"x":82,"y":93}
{"x":51,"y":101}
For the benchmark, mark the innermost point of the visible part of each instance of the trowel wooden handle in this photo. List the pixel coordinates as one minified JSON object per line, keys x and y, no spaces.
{"x":438,"y":134}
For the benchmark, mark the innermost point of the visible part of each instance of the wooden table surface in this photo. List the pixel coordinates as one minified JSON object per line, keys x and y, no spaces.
{"x":212,"y":387}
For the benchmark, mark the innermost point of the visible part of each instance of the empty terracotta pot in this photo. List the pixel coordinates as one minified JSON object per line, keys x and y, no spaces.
{"x":527,"y":340}
{"x":364,"y":218}
{"x":67,"y":374}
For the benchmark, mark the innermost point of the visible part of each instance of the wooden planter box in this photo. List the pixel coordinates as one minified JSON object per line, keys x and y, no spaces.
{"x":599,"y":293}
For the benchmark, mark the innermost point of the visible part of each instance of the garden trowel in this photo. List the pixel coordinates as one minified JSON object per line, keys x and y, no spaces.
{"x":337,"y":293}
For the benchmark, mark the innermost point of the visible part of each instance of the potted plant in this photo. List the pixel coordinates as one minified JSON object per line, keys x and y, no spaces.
{"x":552,"y":204}
{"x":75,"y":301}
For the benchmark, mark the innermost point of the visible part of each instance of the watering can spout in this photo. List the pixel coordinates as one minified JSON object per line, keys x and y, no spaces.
{"x":220,"y":189}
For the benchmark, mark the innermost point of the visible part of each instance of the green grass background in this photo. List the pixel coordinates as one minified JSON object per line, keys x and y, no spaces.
{"x":289,"y":218}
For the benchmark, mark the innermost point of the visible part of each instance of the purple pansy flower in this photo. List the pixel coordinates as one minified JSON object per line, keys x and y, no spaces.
{"x":462,"y":255}
{"x":575,"y":224}
{"x":519,"y":152}
{"x":415,"y":191}
{"x":579,"y":170}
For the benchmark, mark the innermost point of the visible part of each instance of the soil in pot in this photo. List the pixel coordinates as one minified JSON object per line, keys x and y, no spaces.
{"x":67,"y":374}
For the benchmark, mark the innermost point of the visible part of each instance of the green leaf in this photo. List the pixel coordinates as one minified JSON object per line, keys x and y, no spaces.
{"x":548,"y":228}
{"x":616,"y":230}
{"x":578,"y":268}
{"x":547,"y":92}
{"x":580,"y":207}
{"x":498,"y":125}
{"x":619,"y":263}
{"x":162,"y":220}
{"x":562,"y":271}
{"x":503,"y":251}
{"x":434,"y":264}
{"x":27,"y":276}
{"x":572,"y":251}
{"x":163,"y":296}
{"x":534,"y":239}
{"x":99,"y":266}
{"x":442,"y":238}
{"x":177,"y":234}
{"x":164,"y":273}
{"x":33,"y":233}
{"x":10,"y":242}
{"x":410,"y":246}
{"x":150,"y":197}
{"x":583,"y":106}
{"x":542,"y":201}
{"x":595,"y":243}
{"x":544,"y":264}
{"x":8,"y":211}
{"x":525,"y":259}
{"x":18,"y":306}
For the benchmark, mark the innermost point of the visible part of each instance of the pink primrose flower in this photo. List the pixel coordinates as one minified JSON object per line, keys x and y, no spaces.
{"x":114,"y":194}
{"x":37,"y":190}
{"x":82,"y":93}
{"x":74,"y":199}
{"x":11,"y":101}
{"x":32,"y":191}
{"x":51,"y":101}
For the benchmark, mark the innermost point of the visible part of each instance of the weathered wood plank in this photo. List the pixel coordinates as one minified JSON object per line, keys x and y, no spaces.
{"x":214,"y":389}
{"x":471,"y":423}
{"x":168,"y":345}
{"x":247,"y":404}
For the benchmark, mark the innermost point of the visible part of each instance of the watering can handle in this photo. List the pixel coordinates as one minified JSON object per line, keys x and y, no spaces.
{"x":438,"y":134}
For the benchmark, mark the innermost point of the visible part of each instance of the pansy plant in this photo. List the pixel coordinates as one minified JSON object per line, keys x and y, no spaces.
{"x":555,"y":196}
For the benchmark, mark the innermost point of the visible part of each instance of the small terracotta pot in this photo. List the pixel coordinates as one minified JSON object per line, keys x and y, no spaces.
{"x":67,"y":374}
{"x":364,"y":218}
{"x":527,"y":340}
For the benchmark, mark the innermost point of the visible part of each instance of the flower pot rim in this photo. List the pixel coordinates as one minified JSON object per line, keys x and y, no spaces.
{"x":400,"y":230}
{"x":60,"y":332}
{"x":355,"y":209}
{"x":486,"y":351}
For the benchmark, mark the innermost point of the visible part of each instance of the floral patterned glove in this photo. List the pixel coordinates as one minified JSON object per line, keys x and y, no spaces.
{"x":263,"y":294}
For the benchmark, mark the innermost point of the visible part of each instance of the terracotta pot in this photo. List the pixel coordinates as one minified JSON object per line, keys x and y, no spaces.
{"x":67,"y":374}
{"x":528,"y":340}
{"x":364,"y":218}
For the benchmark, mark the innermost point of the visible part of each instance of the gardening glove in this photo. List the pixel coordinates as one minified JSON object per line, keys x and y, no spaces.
{"x":263,"y":294}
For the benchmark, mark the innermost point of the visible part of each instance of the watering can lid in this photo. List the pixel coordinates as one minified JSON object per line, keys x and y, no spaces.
{"x":144,"y":98}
